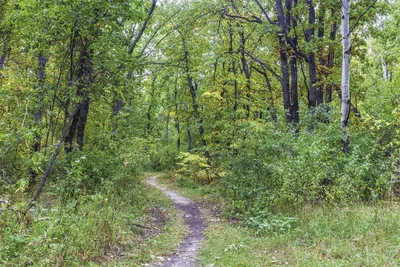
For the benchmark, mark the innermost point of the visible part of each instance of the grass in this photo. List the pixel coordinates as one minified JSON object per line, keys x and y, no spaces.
{"x":356,"y":236}
{"x":359,"y":235}
{"x":159,"y":246}
{"x":91,"y":230}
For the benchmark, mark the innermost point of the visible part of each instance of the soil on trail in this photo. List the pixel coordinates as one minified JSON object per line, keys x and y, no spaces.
{"x":188,"y":249}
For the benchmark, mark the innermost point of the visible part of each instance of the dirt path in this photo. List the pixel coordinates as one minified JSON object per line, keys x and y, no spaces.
{"x":188,"y":249}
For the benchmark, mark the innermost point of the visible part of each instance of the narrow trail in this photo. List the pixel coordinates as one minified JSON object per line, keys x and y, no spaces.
{"x":190,"y":246}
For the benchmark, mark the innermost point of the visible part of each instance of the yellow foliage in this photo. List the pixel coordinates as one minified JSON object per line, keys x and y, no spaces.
{"x":195,"y":167}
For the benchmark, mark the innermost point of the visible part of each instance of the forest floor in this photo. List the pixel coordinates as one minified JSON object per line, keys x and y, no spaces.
{"x":186,"y":255}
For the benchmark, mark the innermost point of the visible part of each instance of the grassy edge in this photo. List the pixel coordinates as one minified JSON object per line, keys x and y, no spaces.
{"x":157,"y":247}
{"x":358,"y":235}
{"x":103,"y":229}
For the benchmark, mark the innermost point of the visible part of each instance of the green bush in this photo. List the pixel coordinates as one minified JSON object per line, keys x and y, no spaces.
{"x":193,"y":167}
{"x":286,"y":170}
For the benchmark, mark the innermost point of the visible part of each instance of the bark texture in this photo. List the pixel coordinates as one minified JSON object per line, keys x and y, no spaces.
{"x":346,"y":101}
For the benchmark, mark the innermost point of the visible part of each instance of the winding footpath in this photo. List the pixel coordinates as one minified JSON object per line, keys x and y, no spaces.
{"x":191,"y":244}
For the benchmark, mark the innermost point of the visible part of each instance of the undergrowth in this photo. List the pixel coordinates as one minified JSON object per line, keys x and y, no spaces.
{"x":75,"y":224}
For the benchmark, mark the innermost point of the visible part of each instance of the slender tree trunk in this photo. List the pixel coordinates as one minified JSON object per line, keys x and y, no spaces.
{"x":346,"y":100}
{"x":193,"y":88}
{"x":143,"y":28}
{"x":247,"y":74}
{"x":79,"y":118}
{"x":294,"y":99}
{"x":312,"y":65}
{"x":285,"y":81}
{"x":331,"y":60}
{"x":177,"y":123}
{"x":322,"y":61}
{"x":83,"y":114}
{"x":69,"y":139}
{"x":234,"y":71}
{"x":38,"y":116}
{"x":282,"y":21}
{"x":294,"y":108}
{"x":167,"y":128}
{"x":83,"y":87}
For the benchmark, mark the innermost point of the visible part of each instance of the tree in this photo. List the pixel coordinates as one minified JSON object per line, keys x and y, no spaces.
{"x":346,"y":100}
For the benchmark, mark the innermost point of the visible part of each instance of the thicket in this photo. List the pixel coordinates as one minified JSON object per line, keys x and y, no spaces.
{"x":274,"y":168}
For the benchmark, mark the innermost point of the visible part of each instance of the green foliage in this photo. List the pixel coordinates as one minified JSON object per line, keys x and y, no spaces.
{"x":85,"y":229}
{"x":282,"y":170}
{"x":193,"y":167}
{"x":200,"y":94}
{"x":163,"y":155}
{"x":267,"y":223}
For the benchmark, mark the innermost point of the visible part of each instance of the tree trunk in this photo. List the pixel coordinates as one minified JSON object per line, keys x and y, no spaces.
{"x":177,"y":123}
{"x":167,"y":128}
{"x":38,"y":116}
{"x":294,"y":105}
{"x":284,"y":26}
{"x":322,"y":61}
{"x":84,"y":83}
{"x":247,"y":74}
{"x":79,"y":118}
{"x":83,"y":114}
{"x":331,"y":60}
{"x":285,"y":81}
{"x":234,"y":71}
{"x":69,"y":139}
{"x":345,"y":108}
{"x":193,"y":88}
{"x":312,"y":65}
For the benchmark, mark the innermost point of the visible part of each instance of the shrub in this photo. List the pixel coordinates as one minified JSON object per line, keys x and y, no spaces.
{"x":194,"y":167}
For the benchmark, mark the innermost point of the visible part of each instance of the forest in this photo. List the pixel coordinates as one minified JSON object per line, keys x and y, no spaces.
{"x":199,"y":133}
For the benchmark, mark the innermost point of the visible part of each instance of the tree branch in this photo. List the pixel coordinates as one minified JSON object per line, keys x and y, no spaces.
{"x":135,"y":42}
{"x":263,"y":64}
{"x":359,"y":18}
{"x":255,"y":19}
{"x":264,"y":11}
